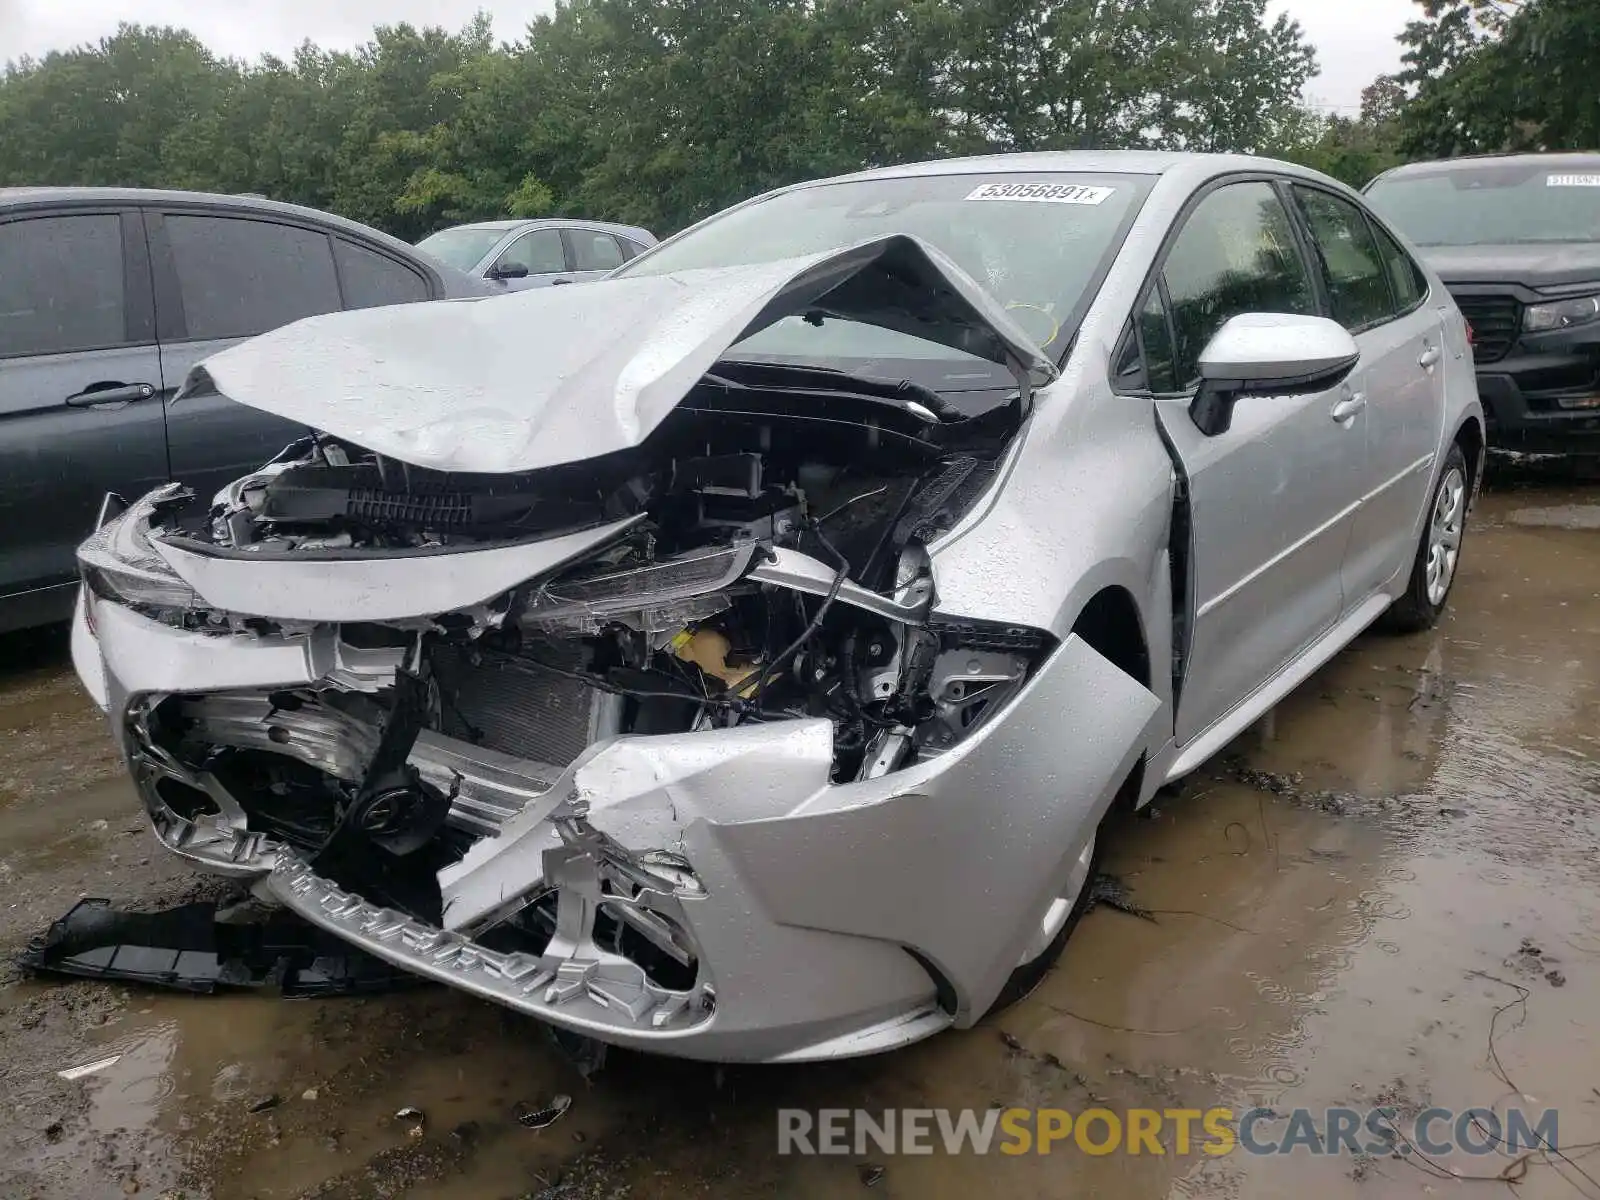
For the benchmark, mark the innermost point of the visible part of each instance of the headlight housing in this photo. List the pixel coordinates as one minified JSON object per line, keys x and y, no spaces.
{"x":1561,"y":314}
{"x":118,"y":563}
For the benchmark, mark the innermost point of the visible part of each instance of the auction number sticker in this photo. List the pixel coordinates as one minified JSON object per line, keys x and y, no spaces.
{"x":1042,"y":193}
{"x":1573,"y":181}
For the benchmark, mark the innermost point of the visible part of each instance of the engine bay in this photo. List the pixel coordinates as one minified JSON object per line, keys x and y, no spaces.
{"x":770,"y":565}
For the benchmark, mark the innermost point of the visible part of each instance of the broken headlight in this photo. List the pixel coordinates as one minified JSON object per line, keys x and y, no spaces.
{"x":659,"y":596}
{"x":119,"y":563}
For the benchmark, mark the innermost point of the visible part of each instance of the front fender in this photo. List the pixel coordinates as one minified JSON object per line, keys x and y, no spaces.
{"x":957,"y":857}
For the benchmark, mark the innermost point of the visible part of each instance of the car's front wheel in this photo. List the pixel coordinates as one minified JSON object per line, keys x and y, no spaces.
{"x":1055,"y":926}
{"x":1433,"y":572}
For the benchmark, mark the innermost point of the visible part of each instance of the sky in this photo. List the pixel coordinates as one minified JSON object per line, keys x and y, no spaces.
{"x":1354,"y":38}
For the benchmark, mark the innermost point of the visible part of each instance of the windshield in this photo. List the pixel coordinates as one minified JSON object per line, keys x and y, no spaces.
{"x":1492,"y":204}
{"x":463,"y":247}
{"x":1035,"y":241}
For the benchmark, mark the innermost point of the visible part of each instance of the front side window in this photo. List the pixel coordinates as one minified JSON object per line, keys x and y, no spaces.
{"x":239,"y":277}
{"x":1035,"y":241}
{"x":1358,"y":288}
{"x":61,"y":285}
{"x":1492,"y":203}
{"x":539,"y":252}
{"x":1236,"y":254}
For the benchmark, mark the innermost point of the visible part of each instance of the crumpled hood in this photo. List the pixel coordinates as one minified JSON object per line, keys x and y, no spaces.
{"x":556,"y":375}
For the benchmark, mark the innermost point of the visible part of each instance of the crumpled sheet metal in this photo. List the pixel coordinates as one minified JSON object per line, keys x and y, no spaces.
{"x":558,"y":375}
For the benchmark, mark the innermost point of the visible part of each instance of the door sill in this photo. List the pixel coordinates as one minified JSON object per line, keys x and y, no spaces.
{"x":1206,"y":744}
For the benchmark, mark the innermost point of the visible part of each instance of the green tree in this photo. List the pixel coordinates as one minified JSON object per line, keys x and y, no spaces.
{"x":1501,"y":75}
{"x":1352,"y":150}
{"x":652,"y":111}
{"x":1181,"y":74}
{"x":107,"y":114}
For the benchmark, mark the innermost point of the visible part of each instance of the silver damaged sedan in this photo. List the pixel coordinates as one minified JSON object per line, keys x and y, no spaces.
{"x":736,"y":658}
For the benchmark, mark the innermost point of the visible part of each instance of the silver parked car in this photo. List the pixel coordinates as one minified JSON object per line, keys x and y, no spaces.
{"x":737,"y":658}
{"x":537,"y":253}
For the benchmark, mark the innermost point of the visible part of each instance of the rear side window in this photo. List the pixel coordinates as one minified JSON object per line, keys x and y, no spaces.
{"x":1236,"y":254}
{"x":1405,"y":277}
{"x":1358,"y":289}
{"x":540,"y":252}
{"x":370,"y":279}
{"x":239,"y":277}
{"x":595,"y":251}
{"x":61,"y":286}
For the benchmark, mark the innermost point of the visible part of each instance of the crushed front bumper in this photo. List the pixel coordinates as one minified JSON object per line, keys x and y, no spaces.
{"x":826,"y":920}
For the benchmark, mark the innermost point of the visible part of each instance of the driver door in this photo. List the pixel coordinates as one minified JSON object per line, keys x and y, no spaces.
{"x":536,"y":259}
{"x":1273,"y":496}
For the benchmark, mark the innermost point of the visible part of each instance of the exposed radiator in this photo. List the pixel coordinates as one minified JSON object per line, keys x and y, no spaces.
{"x":521,"y":710}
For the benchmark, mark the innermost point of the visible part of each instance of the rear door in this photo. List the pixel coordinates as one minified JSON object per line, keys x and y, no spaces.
{"x":222,"y":276}
{"x":594,"y":252}
{"x":1379,"y":295}
{"x":1271,"y":497}
{"x":541,"y":254}
{"x":80,"y":377}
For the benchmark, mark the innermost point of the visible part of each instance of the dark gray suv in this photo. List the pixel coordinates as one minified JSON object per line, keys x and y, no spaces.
{"x":107,"y":298}
{"x":1516,"y":239}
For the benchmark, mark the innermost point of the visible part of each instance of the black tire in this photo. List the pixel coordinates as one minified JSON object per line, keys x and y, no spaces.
{"x":1031,"y":974}
{"x":1421,"y":605}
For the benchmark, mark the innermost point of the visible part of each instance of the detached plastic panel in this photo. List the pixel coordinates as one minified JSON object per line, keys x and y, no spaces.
{"x":188,"y":949}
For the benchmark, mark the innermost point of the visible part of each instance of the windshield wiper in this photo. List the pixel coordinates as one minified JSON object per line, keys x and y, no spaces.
{"x":915,"y":398}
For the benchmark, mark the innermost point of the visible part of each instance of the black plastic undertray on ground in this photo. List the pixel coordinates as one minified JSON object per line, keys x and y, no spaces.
{"x":188,"y":949}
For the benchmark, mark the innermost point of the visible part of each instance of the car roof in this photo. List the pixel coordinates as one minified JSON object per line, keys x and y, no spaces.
{"x":1182,"y":171}
{"x":29,"y":197}
{"x":1589,"y":160}
{"x":495,"y":225}
{"x":508,"y":225}
{"x":1118,"y":162}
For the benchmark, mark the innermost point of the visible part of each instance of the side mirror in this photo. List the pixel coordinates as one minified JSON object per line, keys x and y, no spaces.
{"x":1269,"y":354}
{"x":509,"y":271}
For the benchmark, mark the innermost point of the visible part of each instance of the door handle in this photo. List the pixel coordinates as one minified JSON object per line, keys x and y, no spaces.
{"x":1430,"y":356}
{"x":1347,"y":408}
{"x":558,"y":282}
{"x":116,"y":394}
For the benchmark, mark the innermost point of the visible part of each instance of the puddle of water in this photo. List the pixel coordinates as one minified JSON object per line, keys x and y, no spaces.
{"x":1562,"y":516}
{"x":124,"y":1094}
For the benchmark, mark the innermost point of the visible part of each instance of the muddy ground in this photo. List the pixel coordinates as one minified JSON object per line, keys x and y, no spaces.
{"x":1337,"y":911}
